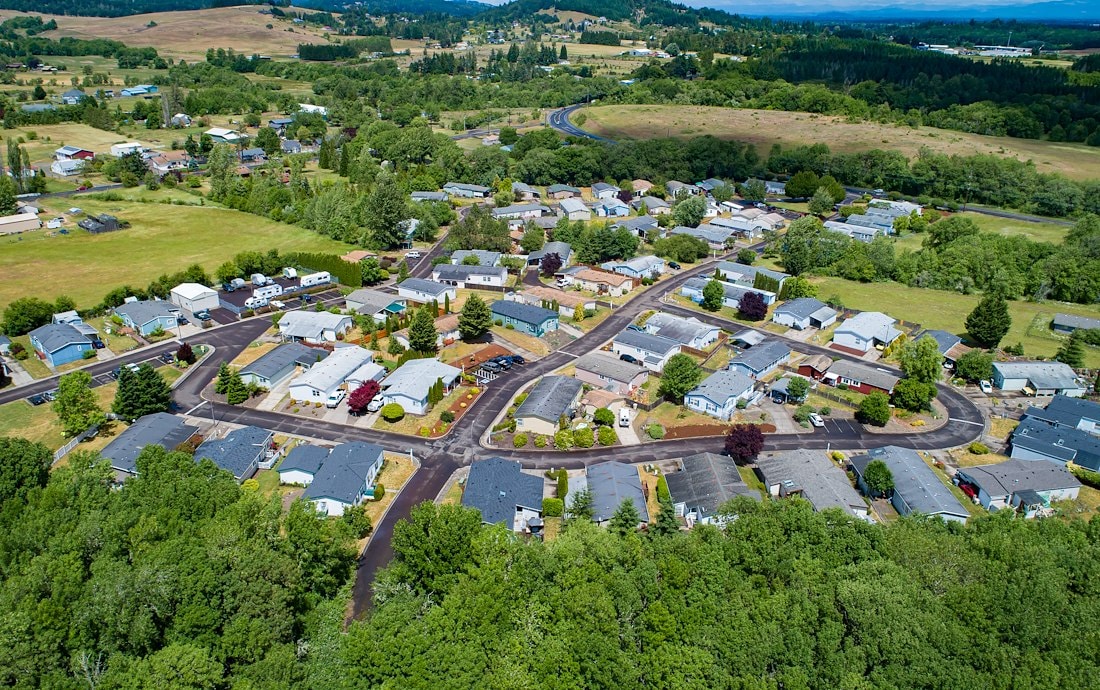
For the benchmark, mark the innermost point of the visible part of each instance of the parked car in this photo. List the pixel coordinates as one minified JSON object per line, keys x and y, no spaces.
{"x":203,"y":315}
{"x":50,"y":395}
{"x":986,"y":386}
{"x":36,"y":400}
{"x":503,"y":361}
{"x":492,"y":366}
{"x":629,"y":359}
{"x":674,"y":266}
{"x":816,"y":419}
{"x":562,"y":283}
{"x":412,"y":255}
{"x":167,"y":357}
{"x":118,"y":370}
{"x":517,"y":359}
{"x":278,"y":304}
{"x":98,"y":343}
{"x":336,"y":398}
{"x":375,"y":404}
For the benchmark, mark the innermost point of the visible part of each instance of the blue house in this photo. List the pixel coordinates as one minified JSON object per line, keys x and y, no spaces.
{"x":146,"y":316}
{"x":525,"y":318}
{"x":59,"y":343}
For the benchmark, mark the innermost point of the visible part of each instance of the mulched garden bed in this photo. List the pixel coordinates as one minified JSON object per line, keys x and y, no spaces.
{"x":700,"y":430}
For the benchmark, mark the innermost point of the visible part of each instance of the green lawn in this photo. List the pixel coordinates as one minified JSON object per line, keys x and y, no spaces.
{"x":948,"y":311}
{"x":1037,"y":232}
{"x":162,"y":239}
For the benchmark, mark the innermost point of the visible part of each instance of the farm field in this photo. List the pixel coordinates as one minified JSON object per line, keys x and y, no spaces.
{"x":162,"y":239}
{"x":948,"y":311}
{"x":1036,"y":232}
{"x":189,"y":34}
{"x":766,"y":127}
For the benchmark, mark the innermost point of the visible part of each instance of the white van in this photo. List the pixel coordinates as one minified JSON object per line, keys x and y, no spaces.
{"x":255,"y":302}
{"x":624,"y":416}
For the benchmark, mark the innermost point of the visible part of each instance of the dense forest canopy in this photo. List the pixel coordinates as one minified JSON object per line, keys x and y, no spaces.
{"x":119,"y":8}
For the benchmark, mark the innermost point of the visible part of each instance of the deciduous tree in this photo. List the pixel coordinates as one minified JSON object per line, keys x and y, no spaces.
{"x":76,"y":405}
{"x":921,"y":360}
{"x":24,"y":465}
{"x":878,"y":478}
{"x":680,"y":375}
{"x":974,"y":366}
{"x":752,"y":307}
{"x":874,"y":409}
{"x":713,"y":295}
{"x":744,"y":442}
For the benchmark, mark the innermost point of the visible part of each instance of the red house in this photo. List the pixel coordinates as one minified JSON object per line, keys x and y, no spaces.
{"x":860,"y":377}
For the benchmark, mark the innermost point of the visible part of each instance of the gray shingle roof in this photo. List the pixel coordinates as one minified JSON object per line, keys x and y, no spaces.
{"x":1012,"y":476}
{"x":562,"y":249}
{"x":1060,"y":443}
{"x":601,"y":363}
{"x":278,"y":359}
{"x":871,"y":325}
{"x":914,"y":481}
{"x":822,"y":483}
{"x":654,"y":344}
{"x":144,"y":311}
{"x":468,"y":187}
{"x":527,"y":313}
{"x":484,"y":258}
{"x":682,"y":330}
{"x":55,"y":336}
{"x":1066,"y":411}
{"x":759,"y":357}
{"x":944,"y":340}
{"x":706,"y":481}
{"x":550,"y":398}
{"x":372,"y":301}
{"x":722,"y":385}
{"x":863,"y":372}
{"x":237,"y":451}
{"x":160,"y":429}
{"x":749,"y":273}
{"x":611,"y":483}
{"x":497,"y":486}
{"x":344,"y":472}
{"x":1073,"y":321}
{"x":304,"y":458}
{"x":636,"y":224}
{"x":707,"y":233}
{"x":554,"y":188}
{"x":802,"y":307}
{"x":426,"y":286}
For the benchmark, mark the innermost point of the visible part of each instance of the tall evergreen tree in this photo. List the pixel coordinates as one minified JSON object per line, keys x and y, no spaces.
{"x":1072,"y":353}
{"x":990,"y":320}
{"x":224,"y":375}
{"x":475,"y":319}
{"x":236,"y":392}
{"x":422,"y":333}
{"x":626,"y":518}
{"x":140,"y":393}
{"x":386,"y":208}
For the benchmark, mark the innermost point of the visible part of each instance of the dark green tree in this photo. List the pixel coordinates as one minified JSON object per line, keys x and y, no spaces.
{"x":874,"y":409}
{"x":913,"y":395}
{"x":1072,"y":352}
{"x":666,"y":523}
{"x":235,"y":391}
{"x":386,"y":208}
{"x":140,"y":393}
{"x":475,"y":319}
{"x":990,"y":320}
{"x":435,"y":545}
{"x":626,"y":518}
{"x":76,"y":404}
{"x":975,"y":366}
{"x":713,"y":295}
{"x":24,"y":465}
{"x":681,"y":374}
{"x":225,"y":373}
{"x":422,"y":334}
{"x":921,"y":360}
{"x":878,"y":478}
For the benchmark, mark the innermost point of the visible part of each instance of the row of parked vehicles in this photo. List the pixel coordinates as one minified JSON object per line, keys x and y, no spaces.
{"x":502,"y":363}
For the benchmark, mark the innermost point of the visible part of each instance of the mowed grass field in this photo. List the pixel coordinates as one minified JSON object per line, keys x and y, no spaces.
{"x":948,"y":311}
{"x":766,"y":127}
{"x":161,"y":239}
{"x":189,"y":34}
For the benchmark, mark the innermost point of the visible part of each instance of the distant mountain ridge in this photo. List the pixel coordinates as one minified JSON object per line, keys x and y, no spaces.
{"x":1050,"y":11}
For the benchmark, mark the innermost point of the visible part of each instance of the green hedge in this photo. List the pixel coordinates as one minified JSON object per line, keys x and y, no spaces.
{"x":553,"y":507}
{"x":347,"y":273}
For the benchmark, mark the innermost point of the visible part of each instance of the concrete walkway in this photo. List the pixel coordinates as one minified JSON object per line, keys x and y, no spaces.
{"x":627,"y":435}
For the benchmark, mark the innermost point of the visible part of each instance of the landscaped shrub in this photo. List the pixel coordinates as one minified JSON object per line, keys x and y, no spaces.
{"x":553,"y":507}
{"x":607,"y":436}
{"x":392,"y":412}
{"x":825,"y":411}
{"x":1086,"y":476}
{"x":563,"y":483}
{"x":604,"y":417}
{"x":584,"y":438}
{"x":447,"y":416}
{"x":540,"y":442}
{"x":978,"y":448}
{"x":520,"y":440}
{"x":655,"y":431}
{"x":379,"y":492}
{"x":563,"y":440}
{"x":520,"y":398}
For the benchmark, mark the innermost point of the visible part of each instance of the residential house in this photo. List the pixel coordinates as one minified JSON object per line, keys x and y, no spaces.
{"x":253,"y":155}
{"x":290,"y":147}
{"x":1034,"y":439}
{"x":775,"y":188}
{"x":611,"y":208}
{"x":525,"y":192}
{"x":567,"y":302}
{"x":714,"y":236}
{"x":101,"y":223}
{"x":158,"y":429}
{"x":574,"y":209}
{"x":59,"y":343}
{"x":221,"y":135}
{"x":610,"y":373}
{"x":19,"y":223}
{"x":640,"y":188}
{"x":675,"y":187}
{"x":864,"y":331}
{"x":467,"y":191}
{"x":562,"y":191}
{"x":856,"y":232}
{"x":690,"y":332}
{"x":771,"y":221}
{"x":301,"y":464}
{"x":73,"y":97}
{"x":1024,"y":485}
{"x":240,"y":452}
{"x":367,"y":371}
{"x":731,"y":294}
{"x":780,"y":391}
{"x":180,"y":120}
{"x":653,"y":351}
{"x":274,"y":367}
{"x":314,"y":109}
{"x":525,"y":318}
{"x":562,"y":249}
{"x":739,"y":227}
{"x":710,"y":184}
{"x":760,"y":360}
{"x":949,"y":345}
{"x":744,"y":275}
{"x":194,"y":297}
{"x":520,"y":212}
{"x":428,"y":196}
{"x":280,"y":124}
{"x":639,"y":226}
{"x":324,"y":378}
{"x":719,"y":394}
{"x":420,"y":291}
{"x":484,"y":258}
{"x":410,"y":384}
{"x":612,"y":483}
{"x":862,"y":378}
{"x":601,"y":282}
{"x":811,"y":475}
{"x":503,"y":493}
{"x":639,"y":267}
{"x":815,"y":366}
{"x":446,"y":328}
{"x":881,"y":225}
{"x":147,"y":316}
{"x":139,"y":90}
{"x":704,"y":483}
{"x":375,"y":303}
{"x":604,"y":191}
{"x":1069,"y":413}
{"x":168,"y":162}
{"x":804,"y":312}
{"x":1038,"y":378}
{"x":72,"y":153}
{"x":470,"y":276}
{"x":917,"y":489}
{"x":1068,"y":323}
{"x":313,"y":326}
{"x":552,"y":398}
{"x":651,"y":205}
{"x":346,"y":478}
{"x":67,"y":168}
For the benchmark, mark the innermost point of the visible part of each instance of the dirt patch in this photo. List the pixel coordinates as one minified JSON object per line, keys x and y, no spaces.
{"x":696,"y":431}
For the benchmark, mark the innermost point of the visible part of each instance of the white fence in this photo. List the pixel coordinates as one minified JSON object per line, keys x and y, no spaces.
{"x":67,"y":448}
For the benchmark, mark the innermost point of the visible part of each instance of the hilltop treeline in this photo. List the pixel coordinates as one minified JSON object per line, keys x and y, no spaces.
{"x":119,"y":8}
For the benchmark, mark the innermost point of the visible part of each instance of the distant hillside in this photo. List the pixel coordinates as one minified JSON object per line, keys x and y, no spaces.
{"x":658,"y":12}
{"x":116,"y":8}
{"x":455,"y":8}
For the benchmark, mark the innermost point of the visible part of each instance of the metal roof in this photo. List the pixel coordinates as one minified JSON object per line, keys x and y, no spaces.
{"x":1041,"y":375}
{"x":451,"y":272}
{"x":572,"y":205}
{"x":708,"y":233}
{"x":706,"y":481}
{"x":330,"y":373}
{"x":759,"y":357}
{"x":914,"y":481}
{"x":160,"y":429}
{"x":612,"y":367}
{"x":1013,"y":476}
{"x":413,"y":378}
{"x":309,"y":324}
{"x":497,"y":487}
{"x":238,"y":450}
{"x":551,"y":397}
{"x":611,"y":483}
{"x":1074,"y":321}
{"x":871,"y":325}
{"x":484,"y":257}
{"x":55,"y":336}
{"x":527,"y":313}
{"x":722,"y":385}
{"x":374,"y":301}
{"x":682,"y":330}
{"x":271,"y":363}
